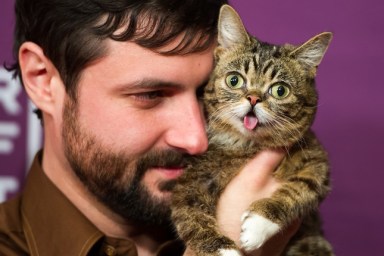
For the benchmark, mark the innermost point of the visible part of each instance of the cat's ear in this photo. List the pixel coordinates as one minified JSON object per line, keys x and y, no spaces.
{"x":312,"y":52}
{"x":231,"y":30}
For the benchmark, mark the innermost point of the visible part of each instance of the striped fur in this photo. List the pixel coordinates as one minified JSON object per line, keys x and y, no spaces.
{"x":282,"y":122}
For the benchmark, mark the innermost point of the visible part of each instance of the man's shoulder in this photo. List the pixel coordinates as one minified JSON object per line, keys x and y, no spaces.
{"x":10,"y":215}
{"x":12,"y":239}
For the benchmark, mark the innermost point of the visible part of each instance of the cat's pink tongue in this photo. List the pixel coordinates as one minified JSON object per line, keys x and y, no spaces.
{"x":250,"y":122}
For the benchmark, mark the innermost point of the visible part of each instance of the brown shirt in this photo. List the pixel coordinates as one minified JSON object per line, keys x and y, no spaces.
{"x":43,"y":222}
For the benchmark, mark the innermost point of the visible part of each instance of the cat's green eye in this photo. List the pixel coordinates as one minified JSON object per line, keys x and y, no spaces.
{"x":234,"y":81}
{"x":279,"y":91}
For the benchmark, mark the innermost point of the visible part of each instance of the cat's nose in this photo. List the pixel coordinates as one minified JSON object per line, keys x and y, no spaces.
{"x":253,"y":99}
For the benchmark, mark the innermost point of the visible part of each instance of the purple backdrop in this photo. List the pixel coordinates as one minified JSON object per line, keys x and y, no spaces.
{"x":350,"y":118}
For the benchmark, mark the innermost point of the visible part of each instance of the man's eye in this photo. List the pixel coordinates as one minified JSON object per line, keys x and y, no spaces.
{"x":146,"y":100}
{"x":149,"y":95}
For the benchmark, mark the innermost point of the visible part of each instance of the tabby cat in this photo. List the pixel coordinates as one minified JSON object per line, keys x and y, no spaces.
{"x":259,"y":96}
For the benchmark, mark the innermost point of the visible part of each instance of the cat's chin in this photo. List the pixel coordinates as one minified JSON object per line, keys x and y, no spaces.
{"x":260,"y":137}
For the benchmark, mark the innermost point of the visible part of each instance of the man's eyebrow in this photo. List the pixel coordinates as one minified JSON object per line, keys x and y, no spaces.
{"x":150,"y":84}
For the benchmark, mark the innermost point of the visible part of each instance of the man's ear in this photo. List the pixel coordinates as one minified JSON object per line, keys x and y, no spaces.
{"x":39,"y":76}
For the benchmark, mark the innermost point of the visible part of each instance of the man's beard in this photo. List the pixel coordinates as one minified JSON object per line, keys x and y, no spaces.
{"x":114,"y":178}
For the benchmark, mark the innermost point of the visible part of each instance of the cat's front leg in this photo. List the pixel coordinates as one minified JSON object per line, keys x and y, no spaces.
{"x":266,"y":217}
{"x":256,"y":230}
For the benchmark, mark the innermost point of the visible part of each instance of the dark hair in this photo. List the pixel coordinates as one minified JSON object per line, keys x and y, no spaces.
{"x":71,"y":32}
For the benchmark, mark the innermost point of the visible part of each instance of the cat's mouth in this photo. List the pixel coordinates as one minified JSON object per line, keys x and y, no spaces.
{"x":250,"y":121}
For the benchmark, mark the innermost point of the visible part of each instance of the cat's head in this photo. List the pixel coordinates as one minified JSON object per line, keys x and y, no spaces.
{"x":258,"y":91}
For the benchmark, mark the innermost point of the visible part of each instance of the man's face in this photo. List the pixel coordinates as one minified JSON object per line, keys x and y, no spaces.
{"x":135,"y":118}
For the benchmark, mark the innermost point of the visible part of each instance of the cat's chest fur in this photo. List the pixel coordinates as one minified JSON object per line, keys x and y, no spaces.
{"x":213,"y":170}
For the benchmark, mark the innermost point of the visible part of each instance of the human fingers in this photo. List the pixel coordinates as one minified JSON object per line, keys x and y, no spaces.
{"x":263,"y":164}
{"x":254,"y":182}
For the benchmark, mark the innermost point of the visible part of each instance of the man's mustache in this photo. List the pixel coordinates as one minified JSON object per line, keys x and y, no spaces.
{"x":161,"y":158}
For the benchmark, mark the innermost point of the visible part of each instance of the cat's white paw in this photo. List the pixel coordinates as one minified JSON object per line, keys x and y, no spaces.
{"x":255,"y":230}
{"x":229,"y":252}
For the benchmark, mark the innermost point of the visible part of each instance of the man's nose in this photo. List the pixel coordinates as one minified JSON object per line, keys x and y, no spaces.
{"x":187,"y":129}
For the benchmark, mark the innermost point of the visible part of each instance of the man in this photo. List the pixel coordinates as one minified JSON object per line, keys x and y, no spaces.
{"x":116,"y":85}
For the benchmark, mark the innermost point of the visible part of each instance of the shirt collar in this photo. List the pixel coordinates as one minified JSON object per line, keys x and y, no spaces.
{"x":54,"y":226}
{"x":50,"y":218}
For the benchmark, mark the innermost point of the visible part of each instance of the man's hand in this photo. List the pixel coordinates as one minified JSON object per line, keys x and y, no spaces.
{"x":254,"y":182}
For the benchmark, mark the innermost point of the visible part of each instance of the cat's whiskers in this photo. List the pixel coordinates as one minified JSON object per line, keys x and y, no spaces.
{"x":299,"y":138}
{"x":313,"y":107}
{"x":225,"y":112}
{"x":293,"y":131}
{"x":281,"y":126}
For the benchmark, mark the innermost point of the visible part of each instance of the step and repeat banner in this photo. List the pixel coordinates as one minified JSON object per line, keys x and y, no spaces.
{"x":20,"y":130}
{"x":20,"y":135}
